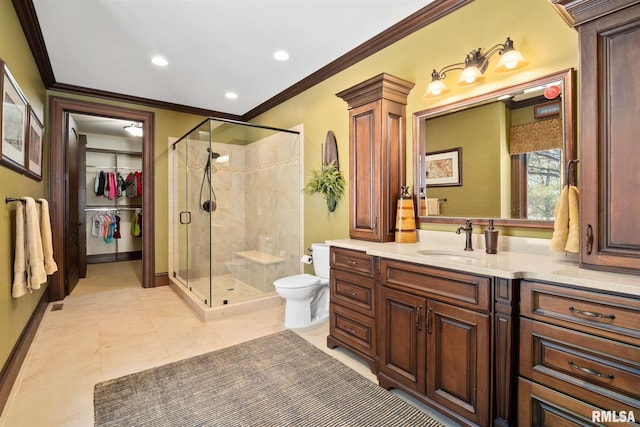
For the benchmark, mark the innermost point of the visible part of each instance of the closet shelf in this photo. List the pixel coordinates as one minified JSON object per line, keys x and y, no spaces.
{"x":114,"y":167}
{"x":113,"y":208}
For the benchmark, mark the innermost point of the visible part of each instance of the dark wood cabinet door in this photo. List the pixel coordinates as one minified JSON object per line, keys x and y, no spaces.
{"x":364,"y":172}
{"x":458,"y":360}
{"x":608,"y":141}
{"x":402,"y":343}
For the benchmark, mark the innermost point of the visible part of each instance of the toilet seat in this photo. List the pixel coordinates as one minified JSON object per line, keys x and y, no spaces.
{"x":298,"y":281}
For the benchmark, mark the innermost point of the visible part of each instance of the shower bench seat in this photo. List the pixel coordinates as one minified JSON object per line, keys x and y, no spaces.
{"x":260,"y":257}
{"x":258,"y":269}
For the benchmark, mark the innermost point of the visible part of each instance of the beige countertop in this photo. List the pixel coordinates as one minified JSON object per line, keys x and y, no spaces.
{"x":520,"y":258}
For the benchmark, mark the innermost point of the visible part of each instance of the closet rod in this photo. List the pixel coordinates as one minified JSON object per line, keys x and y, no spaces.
{"x":112,"y":209}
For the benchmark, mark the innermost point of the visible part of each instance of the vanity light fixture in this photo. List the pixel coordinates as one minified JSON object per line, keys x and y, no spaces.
{"x":134,"y":129}
{"x":474,"y":66}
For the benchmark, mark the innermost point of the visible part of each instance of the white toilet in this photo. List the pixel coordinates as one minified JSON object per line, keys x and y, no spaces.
{"x":307,"y":296}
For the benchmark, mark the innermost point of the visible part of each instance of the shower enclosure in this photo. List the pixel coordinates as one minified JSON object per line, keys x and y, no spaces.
{"x":235,"y":210}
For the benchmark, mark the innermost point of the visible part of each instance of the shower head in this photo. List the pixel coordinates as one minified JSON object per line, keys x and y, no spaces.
{"x":213,"y":154}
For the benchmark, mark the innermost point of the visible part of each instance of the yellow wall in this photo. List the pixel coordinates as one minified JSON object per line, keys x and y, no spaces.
{"x":536,"y":28}
{"x":14,"y":51}
{"x":479,"y":138}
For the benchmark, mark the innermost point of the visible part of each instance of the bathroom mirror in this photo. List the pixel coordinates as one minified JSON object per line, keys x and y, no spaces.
{"x":501,"y":156}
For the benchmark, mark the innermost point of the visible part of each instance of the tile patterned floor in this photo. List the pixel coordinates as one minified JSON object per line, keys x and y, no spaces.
{"x":109,"y":328}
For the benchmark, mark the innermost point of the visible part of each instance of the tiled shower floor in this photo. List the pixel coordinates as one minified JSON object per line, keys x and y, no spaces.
{"x":226,"y":288}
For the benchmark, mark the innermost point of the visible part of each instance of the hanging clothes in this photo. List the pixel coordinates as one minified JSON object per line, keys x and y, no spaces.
{"x":121,"y":184}
{"x":101,"y":183}
{"x":132,"y":185}
{"x":138,"y":176}
{"x":116,"y":233}
{"x":136,"y":230}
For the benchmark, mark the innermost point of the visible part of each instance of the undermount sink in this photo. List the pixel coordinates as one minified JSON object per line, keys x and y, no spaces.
{"x":444,"y":254}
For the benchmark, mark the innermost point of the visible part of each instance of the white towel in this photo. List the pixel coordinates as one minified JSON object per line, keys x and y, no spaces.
{"x":35,"y":263}
{"x":19,"y":287}
{"x":50,"y":265}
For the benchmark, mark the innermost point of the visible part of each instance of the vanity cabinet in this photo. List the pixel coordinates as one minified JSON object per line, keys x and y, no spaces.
{"x":434,"y":340}
{"x":352,"y":303}
{"x":609,"y":101}
{"x":579,"y":352}
{"x":377,"y":110}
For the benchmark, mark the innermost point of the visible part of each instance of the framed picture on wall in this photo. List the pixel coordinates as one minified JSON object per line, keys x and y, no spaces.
{"x":14,"y":119}
{"x":443,"y":168}
{"x":34,"y":146}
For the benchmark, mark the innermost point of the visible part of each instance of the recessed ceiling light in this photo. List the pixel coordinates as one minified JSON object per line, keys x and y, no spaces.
{"x":281,"y":55}
{"x":231,"y":95}
{"x":159,"y":61}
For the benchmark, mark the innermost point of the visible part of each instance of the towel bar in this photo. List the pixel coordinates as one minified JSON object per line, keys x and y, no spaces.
{"x":11,"y":199}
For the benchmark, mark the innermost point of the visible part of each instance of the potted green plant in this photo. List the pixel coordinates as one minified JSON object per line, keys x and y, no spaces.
{"x":329,"y":182}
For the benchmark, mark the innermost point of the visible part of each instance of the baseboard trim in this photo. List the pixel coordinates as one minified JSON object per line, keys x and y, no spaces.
{"x":19,"y":353}
{"x":161,"y":279}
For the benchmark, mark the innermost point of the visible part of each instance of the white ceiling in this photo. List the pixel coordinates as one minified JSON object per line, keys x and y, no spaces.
{"x":213,"y":46}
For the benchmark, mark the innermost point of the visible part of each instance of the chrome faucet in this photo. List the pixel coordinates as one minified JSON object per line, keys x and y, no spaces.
{"x":468,"y":229}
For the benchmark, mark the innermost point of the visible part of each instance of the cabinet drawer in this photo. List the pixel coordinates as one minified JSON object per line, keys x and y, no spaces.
{"x":354,"y":329}
{"x":542,"y":406}
{"x":353,"y":291}
{"x":593,"y":369}
{"x":611,"y":316}
{"x":351,"y":260}
{"x":460,"y":289}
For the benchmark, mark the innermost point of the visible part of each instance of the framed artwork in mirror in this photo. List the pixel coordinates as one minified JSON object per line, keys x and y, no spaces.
{"x":34,"y":146}
{"x":14,"y":119}
{"x":443,"y":168}
{"x":546,"y":110}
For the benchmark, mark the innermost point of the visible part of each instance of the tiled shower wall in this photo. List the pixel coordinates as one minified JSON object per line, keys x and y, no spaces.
{"x":258,"y":204}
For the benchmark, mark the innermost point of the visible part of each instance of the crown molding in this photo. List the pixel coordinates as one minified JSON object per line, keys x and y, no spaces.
{"x":28,"y":19}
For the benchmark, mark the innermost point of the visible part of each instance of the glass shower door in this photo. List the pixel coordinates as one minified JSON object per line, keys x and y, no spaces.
{"x":192,"y":256}
{"x":182,"y":214}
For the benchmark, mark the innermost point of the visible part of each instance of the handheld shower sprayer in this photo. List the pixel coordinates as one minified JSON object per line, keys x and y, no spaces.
{"x":209,"y":205}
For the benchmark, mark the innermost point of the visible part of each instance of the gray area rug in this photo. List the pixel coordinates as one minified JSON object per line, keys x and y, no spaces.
{"x":277,"y":380}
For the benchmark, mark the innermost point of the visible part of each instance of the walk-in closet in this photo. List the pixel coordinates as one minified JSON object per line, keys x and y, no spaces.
{"x":110,"y":201}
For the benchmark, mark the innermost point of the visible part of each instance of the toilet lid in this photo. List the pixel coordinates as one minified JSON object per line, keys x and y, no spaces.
{"x":297,"y":281}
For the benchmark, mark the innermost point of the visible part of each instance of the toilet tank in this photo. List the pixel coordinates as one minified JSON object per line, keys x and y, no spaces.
{"x":320,"y":254}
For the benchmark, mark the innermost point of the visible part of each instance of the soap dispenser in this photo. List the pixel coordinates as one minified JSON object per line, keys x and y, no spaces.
{"x":491,"y":239}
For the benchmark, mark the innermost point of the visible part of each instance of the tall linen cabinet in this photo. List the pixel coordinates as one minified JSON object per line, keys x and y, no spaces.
{"x":609,"y":101}
{"x":377,"y":127}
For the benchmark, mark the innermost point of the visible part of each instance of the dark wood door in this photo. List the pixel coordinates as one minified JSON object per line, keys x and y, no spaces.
{"x":458,"y":360}
{"x":402,"y":341}
{"x":82,"y":204}
{"x":72,"y":220}
{"x":608,"y":141}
